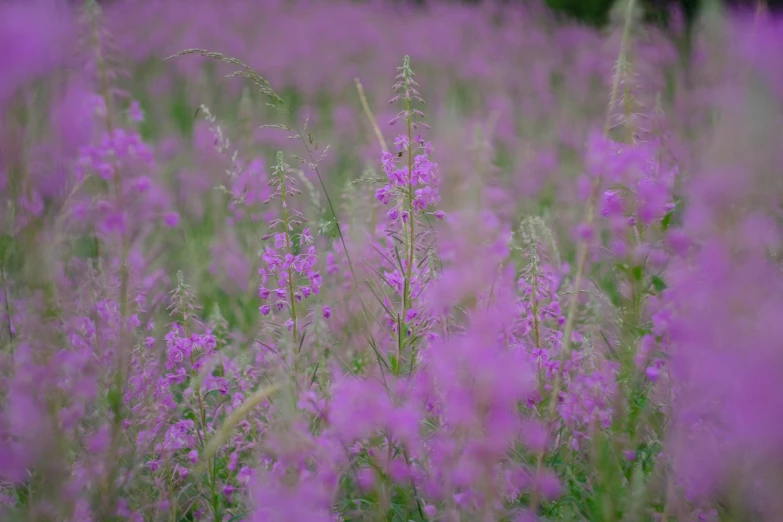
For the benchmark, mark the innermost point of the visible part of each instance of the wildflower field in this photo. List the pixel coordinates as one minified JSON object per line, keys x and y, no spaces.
{"x":248,"y":274}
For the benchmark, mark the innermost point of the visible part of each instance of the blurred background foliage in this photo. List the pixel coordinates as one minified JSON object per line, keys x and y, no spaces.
{"x":596,"y":12}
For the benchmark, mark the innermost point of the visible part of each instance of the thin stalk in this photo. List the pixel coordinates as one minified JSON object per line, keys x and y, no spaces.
{"x":354,"y":279}
{"x":290,"y":272}
{"x":537,"y":335}
{"x":411,"y":239}
{"x":406,"y":298}
{"x":370,"y":117}
{"x":113,"y":465}
{"x":215,"y":504}
{"x":329,"y":202}
{"x":581,"y":257}
{"x":376,"y":130}
{"x":170,"y":488}
{"x":8,"y":309}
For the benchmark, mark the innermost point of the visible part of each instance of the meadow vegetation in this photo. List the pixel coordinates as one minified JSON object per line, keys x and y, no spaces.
{"x":238,"y":285}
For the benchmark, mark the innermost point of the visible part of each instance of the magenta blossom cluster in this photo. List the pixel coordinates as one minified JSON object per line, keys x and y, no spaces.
{"x":422,"y":179}
{"x":125,"y":162}
{"x":638,"y":187}
{"x":289,"y":272}
{"x":115,"y":151}
{"x":287,"y":263}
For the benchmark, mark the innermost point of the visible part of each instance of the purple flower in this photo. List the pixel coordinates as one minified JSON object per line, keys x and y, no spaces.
{"x":135,"y":112}
{"x":171,"y":219}
{"x":401,"y":142}
{"x":383,"y":194}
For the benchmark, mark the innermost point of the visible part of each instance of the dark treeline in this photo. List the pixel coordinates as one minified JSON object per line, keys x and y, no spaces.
{"x":596,"y":12}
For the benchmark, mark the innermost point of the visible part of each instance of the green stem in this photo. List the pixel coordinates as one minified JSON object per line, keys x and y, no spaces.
{"x":406,"y":291}
{"x":291,"y":297}
{"x":581,"y":257}
{"x":111,"y":496}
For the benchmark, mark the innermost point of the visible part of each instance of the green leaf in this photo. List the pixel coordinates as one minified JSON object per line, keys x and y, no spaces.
{"x":666,"y":221}
{"x":7,"y":245}
{"x":394,"y":364}
{"x":114,"y":398}
{"x":658,"y":283}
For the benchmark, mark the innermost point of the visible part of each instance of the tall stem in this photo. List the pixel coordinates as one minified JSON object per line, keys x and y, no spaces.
{"x":581,"y":257}
{"x":412,"y":221}
{"x":411,"y":229}
{"x":291,"y":298}
{"x":110,"y":497}
{"x":584,"y":246}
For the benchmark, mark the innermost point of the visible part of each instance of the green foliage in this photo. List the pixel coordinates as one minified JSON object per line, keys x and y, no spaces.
{"x":247,"y":72}
{"x":589,"y":11}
